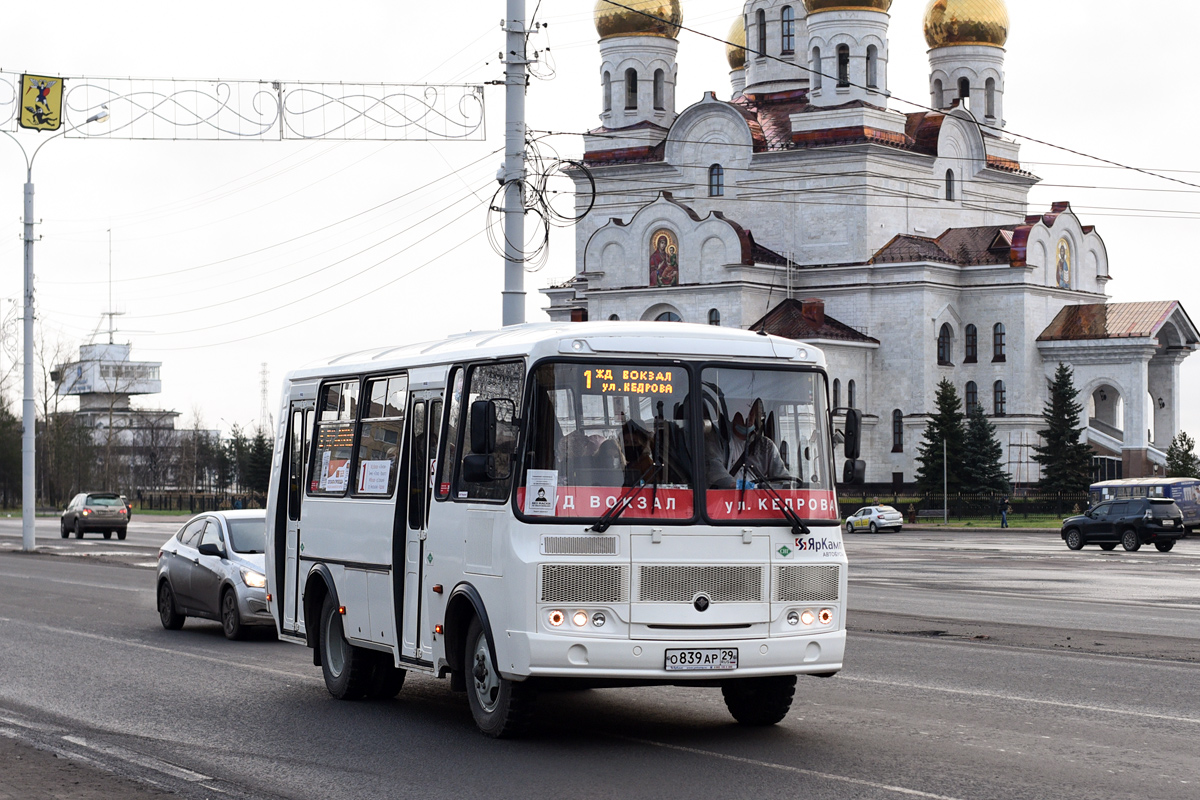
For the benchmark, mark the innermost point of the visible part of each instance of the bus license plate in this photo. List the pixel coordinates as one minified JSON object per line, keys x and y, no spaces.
{"x":724,"y":658}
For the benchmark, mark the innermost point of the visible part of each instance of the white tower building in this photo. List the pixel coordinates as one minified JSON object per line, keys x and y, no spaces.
{"x":966,"y":56}
{"x":775,"y":36}
{"x":637,"y":61}
{"x":848,"y":51}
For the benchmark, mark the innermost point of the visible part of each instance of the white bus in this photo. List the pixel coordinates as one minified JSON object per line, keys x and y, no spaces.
{"x":604,"y":504}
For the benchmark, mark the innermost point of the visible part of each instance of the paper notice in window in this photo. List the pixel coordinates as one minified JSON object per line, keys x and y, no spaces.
{"x":324,"y":471}
{"x":373,"y":476}
{"x":339,"y":476}
{"x":541,"y":492}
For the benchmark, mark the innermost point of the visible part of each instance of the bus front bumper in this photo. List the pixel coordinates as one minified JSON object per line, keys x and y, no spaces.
{"x":549,"y":656}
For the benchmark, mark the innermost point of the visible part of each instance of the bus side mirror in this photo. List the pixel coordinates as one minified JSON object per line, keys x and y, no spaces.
{"x":478,"y":468}
{"x":854,"y":472}
{"x":853,"y":433}
{"x":483,"y":427}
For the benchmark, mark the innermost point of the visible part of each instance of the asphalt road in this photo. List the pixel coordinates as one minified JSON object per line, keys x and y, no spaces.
{"x":960,"y":683}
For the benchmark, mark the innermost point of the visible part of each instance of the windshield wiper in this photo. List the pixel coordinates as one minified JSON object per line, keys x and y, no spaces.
{"x":798,"y":526}
{"x":624,"y":501}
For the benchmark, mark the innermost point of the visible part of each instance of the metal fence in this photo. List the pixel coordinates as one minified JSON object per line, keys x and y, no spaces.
{"x":969,"y":506}
{"x":194,"y":503}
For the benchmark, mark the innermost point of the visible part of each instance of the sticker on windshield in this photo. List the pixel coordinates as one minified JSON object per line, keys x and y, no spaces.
{"x":541,"y":493}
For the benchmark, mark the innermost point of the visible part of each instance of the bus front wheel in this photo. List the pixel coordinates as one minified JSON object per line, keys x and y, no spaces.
{"x":759,"y":701}
{"x":501,"y":708}
{"x":346,"y":668}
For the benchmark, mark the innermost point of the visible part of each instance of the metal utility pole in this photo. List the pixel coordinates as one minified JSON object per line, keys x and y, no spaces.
{"x":28,"y":406}
{"x":513,"y":311}
{"x":945,"y":488}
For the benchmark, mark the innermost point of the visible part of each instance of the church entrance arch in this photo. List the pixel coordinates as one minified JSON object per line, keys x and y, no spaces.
{"x":1106,"y":410}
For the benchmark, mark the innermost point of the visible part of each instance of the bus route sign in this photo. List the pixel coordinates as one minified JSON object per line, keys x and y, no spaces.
{"x":617,"y":380}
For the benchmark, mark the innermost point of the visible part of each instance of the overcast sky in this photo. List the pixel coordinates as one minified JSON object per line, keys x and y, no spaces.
{"x":213,"y":282}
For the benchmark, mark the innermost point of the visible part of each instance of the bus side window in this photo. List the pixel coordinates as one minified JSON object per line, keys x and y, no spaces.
{"x":333,"y":448}
{"x":447,"y":458}
{"x":380,"y":434}
{"x":502,"y":383}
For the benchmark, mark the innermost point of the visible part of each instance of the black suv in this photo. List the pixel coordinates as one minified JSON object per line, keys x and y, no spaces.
{"x":1132,"y":523}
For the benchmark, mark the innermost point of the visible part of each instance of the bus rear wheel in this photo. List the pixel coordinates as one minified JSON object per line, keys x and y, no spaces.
{"x":501,"y":708}
{"x":759,"y":701}
{"x":346,"y":668}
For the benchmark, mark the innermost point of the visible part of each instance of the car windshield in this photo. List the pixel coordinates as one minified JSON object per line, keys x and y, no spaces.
{"x":104,"y":500}
{"x":247,"y":535}
{"x":603,"y":433}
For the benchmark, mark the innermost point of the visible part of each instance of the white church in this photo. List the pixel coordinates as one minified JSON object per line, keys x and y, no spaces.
{"x":900,"y":243}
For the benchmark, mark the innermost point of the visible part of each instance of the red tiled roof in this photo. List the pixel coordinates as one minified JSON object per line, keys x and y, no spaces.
{"x":985,"y":244}
{"x":1109,"y":321}
{"x":807,"y":320}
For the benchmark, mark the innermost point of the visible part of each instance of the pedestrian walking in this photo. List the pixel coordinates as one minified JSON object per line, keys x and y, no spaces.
{"x":1004,"y":512}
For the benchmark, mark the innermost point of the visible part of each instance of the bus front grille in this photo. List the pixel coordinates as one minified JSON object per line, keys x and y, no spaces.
{"x":579,"y":545}
{"x":681,"y":583}
{"x":585,"y":583}
{"x":807,"y":583}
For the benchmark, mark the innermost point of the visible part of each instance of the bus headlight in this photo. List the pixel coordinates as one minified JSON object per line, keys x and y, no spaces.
{"x":598,"y":619}
{"x":825,"y":616}
{"x":807,"y":617}
{"x":580,"y":618}
{"x":556,"y":618}
{"x":793,"y":618}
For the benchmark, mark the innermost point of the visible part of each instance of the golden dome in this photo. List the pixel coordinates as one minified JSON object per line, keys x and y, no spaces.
{"x":735,"y":52}
{"x":612,"y":20}
{"x":951,"y":22}
{"x":814,"y":6}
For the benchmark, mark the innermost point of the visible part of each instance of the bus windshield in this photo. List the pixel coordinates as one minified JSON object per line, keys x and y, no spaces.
{"x":605,"y":431}
{"x":766,"y":444}
{"x":605,"y":434}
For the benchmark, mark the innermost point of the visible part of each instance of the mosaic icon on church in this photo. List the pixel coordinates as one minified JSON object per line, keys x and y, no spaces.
{"x":1063,"y":261}
{"x":664,"y":258}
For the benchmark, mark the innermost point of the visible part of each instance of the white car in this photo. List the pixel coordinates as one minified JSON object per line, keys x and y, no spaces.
{"x":875,"y":518}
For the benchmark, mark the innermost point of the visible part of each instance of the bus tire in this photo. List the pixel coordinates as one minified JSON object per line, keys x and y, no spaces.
{"x":501,"y":708}
{"x":759,"y":702}
{"x":346,"y":668}
{"x":1129,"y":540}
{"x":386,"y":679}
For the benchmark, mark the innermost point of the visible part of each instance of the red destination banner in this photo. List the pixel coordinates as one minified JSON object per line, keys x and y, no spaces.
{"x":758,"y":504}
{"x":593,"y":501}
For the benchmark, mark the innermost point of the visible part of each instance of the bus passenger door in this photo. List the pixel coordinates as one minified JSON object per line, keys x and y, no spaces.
{"x":299,"y":427}
{"x":424,"y":417}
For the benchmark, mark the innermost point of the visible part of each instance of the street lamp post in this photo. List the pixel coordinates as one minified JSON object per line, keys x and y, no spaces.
{"x":28,"y":408}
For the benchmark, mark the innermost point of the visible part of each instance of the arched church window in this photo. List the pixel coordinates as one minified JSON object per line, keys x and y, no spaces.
{"x":606,"y":84}
{"x":999,"y":345}
{"x":943,"y":353}
{"x":760,"y":19}
{"x":1000,"y":398}
{"x":614,"y":318}
{"x":872,"y":66}
{"x":788,"y":20}
{"x":837,"y":393}
{"x":990,"y":91}
{"x":950,"y":184}
{"x":714,"y":317}
{"x":964,"y":89}
{"x":851,"y":399}
{"x":897,"y":431}
{"x":818,"y":69}
{"x":972,"y":351}
{"x":660,"y":81}
{"x":939,"y":99}
{"x":971,"y":396}
{"x":716,"y":181}
{"x":631,"y":89}
{"x":668,"y":316}
{"x":843,"y":53}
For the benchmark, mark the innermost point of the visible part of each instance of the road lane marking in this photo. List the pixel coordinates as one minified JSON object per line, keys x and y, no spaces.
{"x":43,"y":579}
{"x":1018,"y":699}
{"x":788,"y":768}
{"x":149,"y":762}
{"x":140,"y":645}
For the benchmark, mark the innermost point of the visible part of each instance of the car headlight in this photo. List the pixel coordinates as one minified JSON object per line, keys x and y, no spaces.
{"x":255,"y":580}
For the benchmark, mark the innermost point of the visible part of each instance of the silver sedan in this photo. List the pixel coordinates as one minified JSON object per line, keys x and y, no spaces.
{"x":213,"y":568}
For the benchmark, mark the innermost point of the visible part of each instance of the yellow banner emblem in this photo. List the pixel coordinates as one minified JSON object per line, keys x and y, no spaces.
{"x":41,"y":102}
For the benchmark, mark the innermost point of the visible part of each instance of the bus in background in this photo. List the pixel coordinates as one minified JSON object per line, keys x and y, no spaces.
{"x":584,"y":504}
{"x":1184,"y":491}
